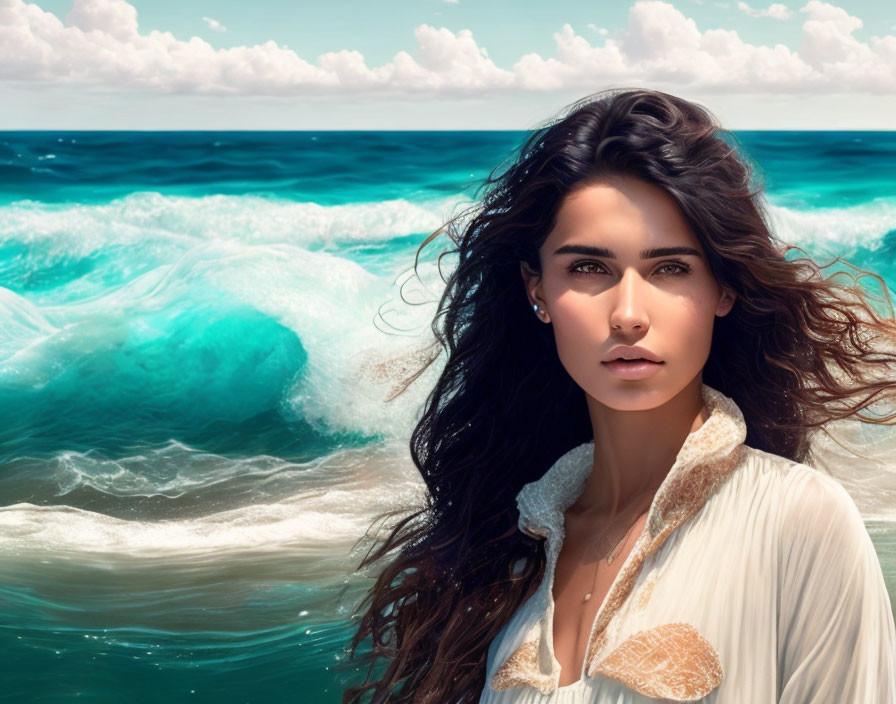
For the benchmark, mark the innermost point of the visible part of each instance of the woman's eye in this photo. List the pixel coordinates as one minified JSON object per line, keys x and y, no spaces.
{"x":673,"y":268}
{"x":677,"y":267}
{"x":577,"y":268}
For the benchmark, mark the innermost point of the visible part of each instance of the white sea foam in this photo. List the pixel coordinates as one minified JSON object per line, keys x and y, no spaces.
{"x":79,"y":229}
{"x":828,"y":232}
{"x":332,"y":504}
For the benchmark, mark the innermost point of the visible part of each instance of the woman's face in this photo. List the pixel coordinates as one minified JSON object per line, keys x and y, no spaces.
{"x":598,"y":291}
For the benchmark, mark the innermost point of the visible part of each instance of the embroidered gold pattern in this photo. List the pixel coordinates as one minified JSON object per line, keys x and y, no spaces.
{"x":705,"y":461}
{"x":522,"y":668}
{"x":672,"y":661}
{"x":644,"y":594}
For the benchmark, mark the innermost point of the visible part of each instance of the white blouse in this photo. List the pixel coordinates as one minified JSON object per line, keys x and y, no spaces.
{"x":754,"y":581}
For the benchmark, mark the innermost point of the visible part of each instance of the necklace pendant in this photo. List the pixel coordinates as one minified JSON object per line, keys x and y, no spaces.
{"x":587,"y":596}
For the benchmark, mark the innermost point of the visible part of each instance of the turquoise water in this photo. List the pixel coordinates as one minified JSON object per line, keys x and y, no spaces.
{"x":192,"y":437}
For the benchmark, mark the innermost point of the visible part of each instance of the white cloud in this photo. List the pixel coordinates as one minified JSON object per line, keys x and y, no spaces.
{"x":451,"y":2}
{"x":112,"y":17}
{"x":600,"y":30}
{"x":776,"y":11}
{"x":214,"y":24}
{"x":662,"y":44}
{"x":100,"y":45}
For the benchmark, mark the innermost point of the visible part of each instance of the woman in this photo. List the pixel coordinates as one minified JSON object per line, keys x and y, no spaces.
{"x":618,"y":507}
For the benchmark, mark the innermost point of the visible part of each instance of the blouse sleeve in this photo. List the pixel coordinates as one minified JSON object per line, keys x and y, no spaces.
{"x":836,"y":634}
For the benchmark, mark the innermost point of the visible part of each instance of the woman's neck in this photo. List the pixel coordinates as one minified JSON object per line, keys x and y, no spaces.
{"x":634,"y":450}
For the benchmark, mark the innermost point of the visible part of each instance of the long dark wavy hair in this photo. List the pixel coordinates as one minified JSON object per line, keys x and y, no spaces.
{"x":504,"y":408}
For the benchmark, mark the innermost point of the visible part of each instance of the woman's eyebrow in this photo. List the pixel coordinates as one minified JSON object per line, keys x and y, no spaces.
{"x":608,"y":254}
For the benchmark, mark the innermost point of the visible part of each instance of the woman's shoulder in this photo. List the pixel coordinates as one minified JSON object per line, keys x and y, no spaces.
{"x":787,"y":473}
{"x":836,"y":632}
{"x":804,"y":497}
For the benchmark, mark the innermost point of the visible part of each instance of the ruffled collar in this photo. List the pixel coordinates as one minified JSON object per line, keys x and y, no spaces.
{"x":706,"y":459}
{"x":542,"y":503}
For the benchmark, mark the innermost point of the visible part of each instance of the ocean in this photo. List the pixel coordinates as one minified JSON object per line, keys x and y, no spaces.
{"x":193,"y":436}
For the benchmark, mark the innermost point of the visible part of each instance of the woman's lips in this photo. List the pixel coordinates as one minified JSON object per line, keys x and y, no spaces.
{"x":634,"y":369}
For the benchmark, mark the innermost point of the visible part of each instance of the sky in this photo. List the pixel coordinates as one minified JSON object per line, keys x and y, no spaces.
{"x":437,"y":64}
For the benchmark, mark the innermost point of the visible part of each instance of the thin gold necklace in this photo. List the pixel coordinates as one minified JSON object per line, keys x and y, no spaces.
{"x":612,"y":555}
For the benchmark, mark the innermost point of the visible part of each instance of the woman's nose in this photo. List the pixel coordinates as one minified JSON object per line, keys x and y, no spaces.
{"x":629,"y":305}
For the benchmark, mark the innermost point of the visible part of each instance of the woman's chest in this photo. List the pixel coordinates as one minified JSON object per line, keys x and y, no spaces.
{"x":587,"y":565}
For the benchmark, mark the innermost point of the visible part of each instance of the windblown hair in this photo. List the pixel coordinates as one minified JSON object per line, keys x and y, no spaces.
{"x":798,"y":349}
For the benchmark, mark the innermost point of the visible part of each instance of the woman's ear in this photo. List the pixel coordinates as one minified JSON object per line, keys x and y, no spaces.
{"x":532,"y":282}
{"x":726,"y":302}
